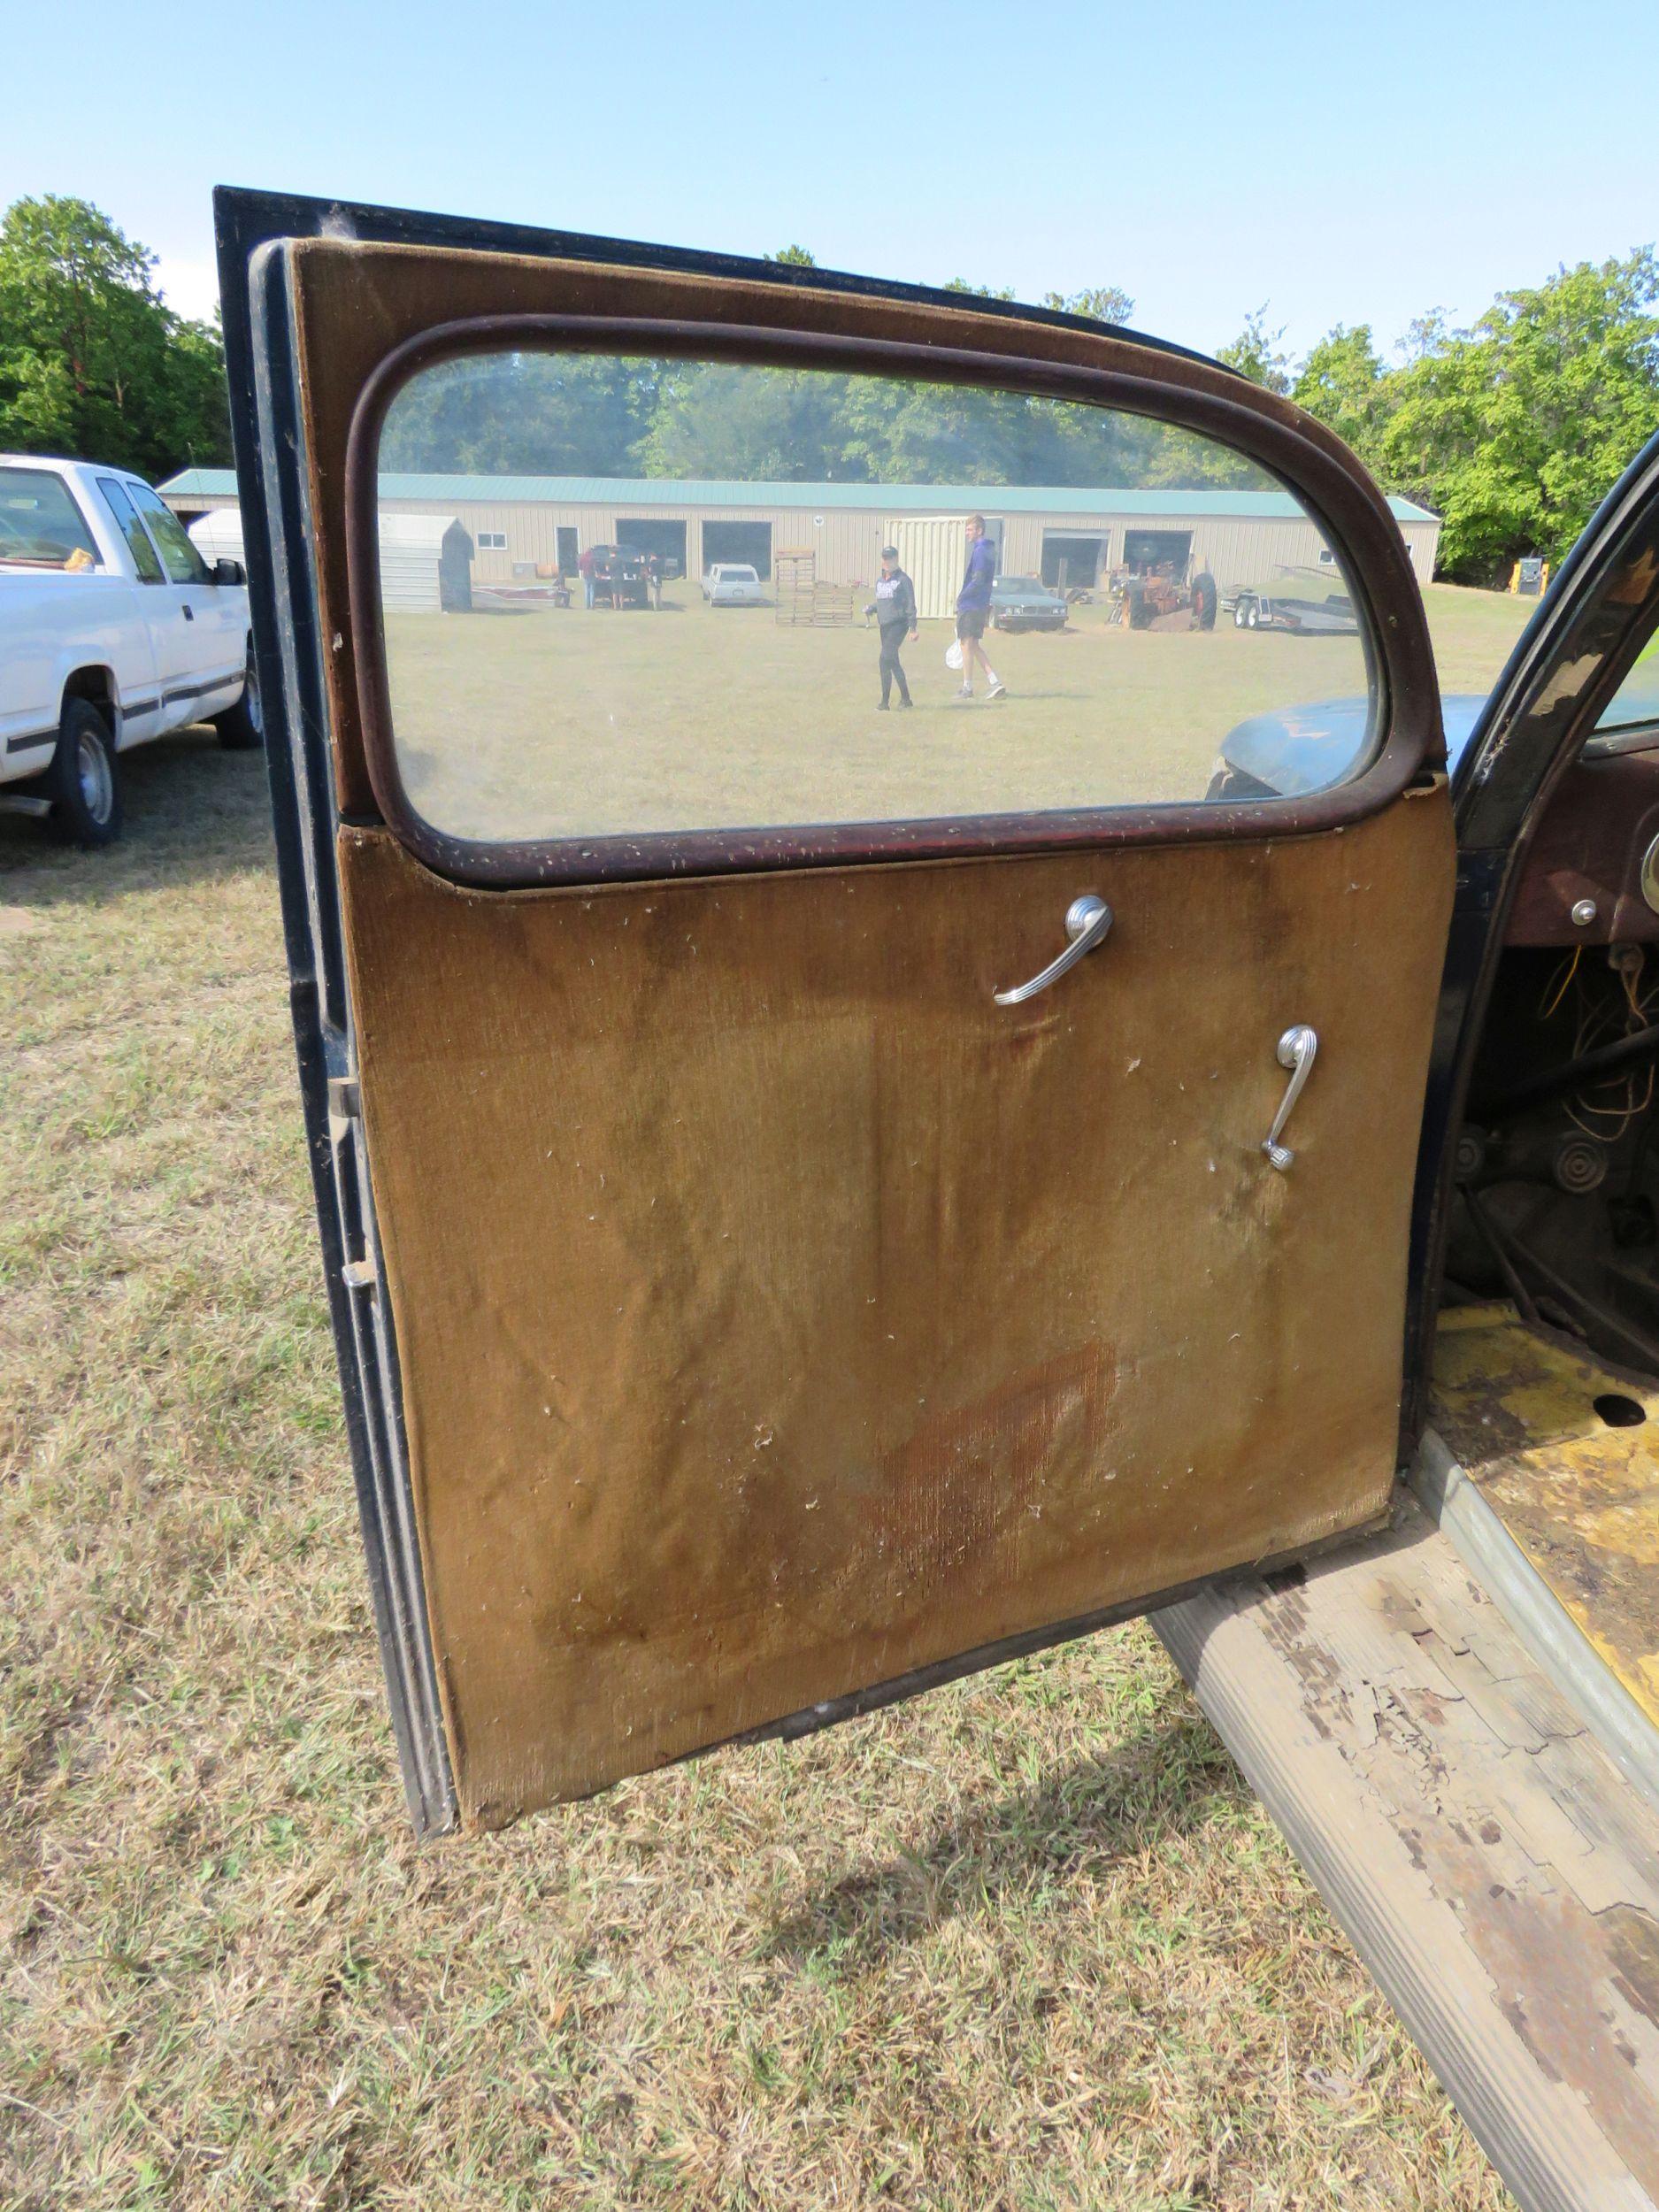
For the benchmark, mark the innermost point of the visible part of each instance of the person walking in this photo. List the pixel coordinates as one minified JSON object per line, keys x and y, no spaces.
{"x":973,"y":611}
{"x":894,"y":607}
{"x":585,"y":570}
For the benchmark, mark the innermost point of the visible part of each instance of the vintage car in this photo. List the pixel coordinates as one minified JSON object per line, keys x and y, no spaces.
{"x":1026,"y":602}
{"x":808,"y":1217}
{"x":732,"y":584}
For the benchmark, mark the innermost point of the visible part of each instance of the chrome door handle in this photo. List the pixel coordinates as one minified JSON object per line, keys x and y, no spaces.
{"x":1296,"y":1048}
{"x":1087,"y":920}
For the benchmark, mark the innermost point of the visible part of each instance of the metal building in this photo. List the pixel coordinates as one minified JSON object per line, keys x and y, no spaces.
{"x":526,"y":527}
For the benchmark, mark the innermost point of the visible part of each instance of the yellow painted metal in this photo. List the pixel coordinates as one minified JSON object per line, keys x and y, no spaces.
{"x":1578,"y":1492}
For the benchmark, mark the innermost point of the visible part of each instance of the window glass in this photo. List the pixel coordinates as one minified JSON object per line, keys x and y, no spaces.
{"x":41,"y":527}
{"x":1199,"y":640}
{"x":132,"y":529}
{"x":184,"y":564}
{"x":1637,"y":699}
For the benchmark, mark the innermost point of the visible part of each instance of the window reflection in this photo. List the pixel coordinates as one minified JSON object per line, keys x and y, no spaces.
{"x":624,"y":595}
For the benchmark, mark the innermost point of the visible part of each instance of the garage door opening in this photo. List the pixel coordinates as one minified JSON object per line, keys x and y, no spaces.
{"x":1146,"y":552}
{"x":750,"y":542}
{"x":650,"y":535}
{"x":1070,"y":560}
{"x":567,"y":542}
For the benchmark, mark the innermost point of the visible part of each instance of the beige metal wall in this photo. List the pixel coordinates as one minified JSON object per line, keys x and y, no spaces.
{"x":847,"y":541}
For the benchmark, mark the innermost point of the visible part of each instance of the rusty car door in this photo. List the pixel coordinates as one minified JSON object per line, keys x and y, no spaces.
{"x":755,"y":1301}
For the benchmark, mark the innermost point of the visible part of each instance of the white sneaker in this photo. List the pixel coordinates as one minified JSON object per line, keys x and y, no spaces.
{"x":998,"y":691}
{"x":964,"y":691}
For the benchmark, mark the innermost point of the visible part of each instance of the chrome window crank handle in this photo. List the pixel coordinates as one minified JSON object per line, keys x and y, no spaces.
{"x":1296,"y":1048}
{"x":1087,"y":920}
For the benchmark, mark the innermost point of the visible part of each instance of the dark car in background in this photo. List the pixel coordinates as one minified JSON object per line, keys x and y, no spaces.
{"x":1026,"y":602}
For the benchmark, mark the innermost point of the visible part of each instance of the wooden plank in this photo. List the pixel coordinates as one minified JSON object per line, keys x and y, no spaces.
{"x":1486,"y":1857}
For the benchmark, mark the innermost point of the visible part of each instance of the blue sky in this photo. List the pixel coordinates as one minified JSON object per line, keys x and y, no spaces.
{"x":1347,"y":162}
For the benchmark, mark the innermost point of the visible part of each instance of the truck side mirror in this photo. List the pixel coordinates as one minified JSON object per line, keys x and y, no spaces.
{"x":229,"y":573}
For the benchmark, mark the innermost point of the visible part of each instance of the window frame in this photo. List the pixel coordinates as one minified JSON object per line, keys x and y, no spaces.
{"x":491,"y":541}
{"x":1405,"y":720}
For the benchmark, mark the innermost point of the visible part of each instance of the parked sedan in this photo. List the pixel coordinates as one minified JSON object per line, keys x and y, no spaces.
{"x":732,"y":584}
{"x":1026,"y":602}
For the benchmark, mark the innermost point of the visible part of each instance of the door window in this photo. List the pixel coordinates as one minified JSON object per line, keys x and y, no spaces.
{"x":145,"y":559}
{"x":184,"y":564}
{"x":41,"y":527}
{"x":654,"y":712}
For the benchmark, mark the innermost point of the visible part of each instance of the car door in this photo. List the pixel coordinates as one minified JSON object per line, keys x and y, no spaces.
{"x":203,"y":645}
{"x":150,"y":632}
{"x":809,"y":1204}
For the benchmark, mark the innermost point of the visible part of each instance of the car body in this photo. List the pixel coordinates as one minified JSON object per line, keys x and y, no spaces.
{"x":732,"y":584}
{"x":620,"y":573}
{"x":1298,"y":605}
{"x":810,"y":1311}
{"x":110,"y":619}
{"x":1026,"y":602}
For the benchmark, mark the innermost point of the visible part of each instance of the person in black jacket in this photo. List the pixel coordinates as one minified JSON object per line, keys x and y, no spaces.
{"x":894,"y":607}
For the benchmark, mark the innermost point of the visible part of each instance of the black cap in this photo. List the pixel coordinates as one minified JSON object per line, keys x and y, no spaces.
{"x":889,"y":552}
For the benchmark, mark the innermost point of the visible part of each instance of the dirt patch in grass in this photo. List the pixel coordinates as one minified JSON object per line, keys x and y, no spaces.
{"x":1026,"y":1943}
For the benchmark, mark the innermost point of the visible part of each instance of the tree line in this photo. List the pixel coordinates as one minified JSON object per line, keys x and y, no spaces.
{"x":1511,"y":429}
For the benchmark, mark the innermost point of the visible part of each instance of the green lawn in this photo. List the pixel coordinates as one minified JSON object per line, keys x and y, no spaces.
{"x":565,"y":723}
{"x":1026,"y":1943}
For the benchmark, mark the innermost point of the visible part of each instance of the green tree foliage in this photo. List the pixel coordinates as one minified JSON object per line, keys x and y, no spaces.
{"x":1104,"y":303}
{"x":94,"y":365}
{"x":1256,"y":353}
{"x":793,"y":257}
{"x":1342,"y":382}
{"x":1514,"y":430}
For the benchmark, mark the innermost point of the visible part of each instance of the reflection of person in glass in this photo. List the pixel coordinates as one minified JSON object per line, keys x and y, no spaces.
{"x":973,"y":609}
{"x":894,"y":607}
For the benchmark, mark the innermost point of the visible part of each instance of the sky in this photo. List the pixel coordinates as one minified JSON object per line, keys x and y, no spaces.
{"x":1346,"y":163}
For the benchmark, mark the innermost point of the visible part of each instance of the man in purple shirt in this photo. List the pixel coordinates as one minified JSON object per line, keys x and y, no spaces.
{"x":973,"y":611}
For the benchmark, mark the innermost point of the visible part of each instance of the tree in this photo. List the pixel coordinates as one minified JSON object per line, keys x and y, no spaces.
{"x":793,"y":257}
{"x":94,"y":365}
{"x":1342,"y":382}
{"x":1514,"y":430}
{"x":1104,"y":302}
{"x":1256,"y":353}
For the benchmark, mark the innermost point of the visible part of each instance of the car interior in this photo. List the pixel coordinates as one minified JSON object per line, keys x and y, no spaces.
{"x":1547,"y":1365}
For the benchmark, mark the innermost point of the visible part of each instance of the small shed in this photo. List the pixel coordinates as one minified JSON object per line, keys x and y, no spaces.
{"x":426,"y":564}
{"x":425,"y":560}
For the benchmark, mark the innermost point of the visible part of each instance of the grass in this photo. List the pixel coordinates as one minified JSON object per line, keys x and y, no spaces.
{"x":1028,"y":1943}
{"x":566,"y":723}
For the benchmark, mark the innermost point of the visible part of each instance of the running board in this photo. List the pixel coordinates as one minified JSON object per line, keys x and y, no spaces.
{"x":1486,"y":1858}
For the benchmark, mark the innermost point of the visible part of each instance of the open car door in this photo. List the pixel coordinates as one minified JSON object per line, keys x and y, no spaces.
{"x":809,"y":1200}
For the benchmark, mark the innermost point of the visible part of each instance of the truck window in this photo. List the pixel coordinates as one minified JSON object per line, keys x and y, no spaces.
{"x":184,"y":563}
{"x":132,"y":529}
{"x":40,"y":523}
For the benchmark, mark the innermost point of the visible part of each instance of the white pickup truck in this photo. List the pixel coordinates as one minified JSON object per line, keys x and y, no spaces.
{"x":113,"y":630}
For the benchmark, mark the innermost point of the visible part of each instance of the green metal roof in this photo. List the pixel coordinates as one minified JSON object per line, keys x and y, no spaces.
{"x":886,"y":499}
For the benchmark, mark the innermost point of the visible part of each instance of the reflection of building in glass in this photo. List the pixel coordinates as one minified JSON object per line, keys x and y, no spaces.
{"x":1071,"y":538}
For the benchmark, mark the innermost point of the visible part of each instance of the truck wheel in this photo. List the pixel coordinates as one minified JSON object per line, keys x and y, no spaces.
{"x":242,"y":727}
{"x":86,"y":792}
